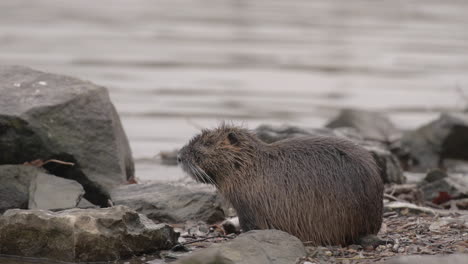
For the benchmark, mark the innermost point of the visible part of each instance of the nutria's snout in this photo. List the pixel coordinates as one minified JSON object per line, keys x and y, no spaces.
{"x":187,"y":158}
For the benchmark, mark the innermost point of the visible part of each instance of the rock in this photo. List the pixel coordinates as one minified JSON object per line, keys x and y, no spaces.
{"x":454,"y":185}
{"x":47,"y":116}
{"x":82,"y":235}
{"x":171,"y":203}
{"x":390,"y":169}
{"x":50,"y":192}
{"x":371,"y":125}
{"x":431,"y":144}
{"x":253,"y":247}
{"x":452,"y":259}
{"x":85,"y":204}
{"x":14,"y":185}
{"x":414,"y":177}
{"x":388,"y":163}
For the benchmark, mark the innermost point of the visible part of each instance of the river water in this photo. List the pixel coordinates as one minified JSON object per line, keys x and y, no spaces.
{"x":172,"y":66}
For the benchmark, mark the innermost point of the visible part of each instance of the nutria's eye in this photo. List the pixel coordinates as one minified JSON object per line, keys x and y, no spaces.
{"x":233,"y":138}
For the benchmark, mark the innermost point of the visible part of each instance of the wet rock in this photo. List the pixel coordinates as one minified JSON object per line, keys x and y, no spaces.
{"x":172,"y":203}
{"x":452,"y":259}
{"x":388,"y":163}
{"x":254,"y":247}
{"x":444,"y":138}
{"x":82,"y":234}
{"x":371,"y":125}
{"x":50,"y":192}
{"x":47,"y":116}
{"x":452,"y":185}
{"x":14,"y":185}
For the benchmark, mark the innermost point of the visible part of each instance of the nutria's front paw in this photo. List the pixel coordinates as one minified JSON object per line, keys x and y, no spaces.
{"x":373,"y":241}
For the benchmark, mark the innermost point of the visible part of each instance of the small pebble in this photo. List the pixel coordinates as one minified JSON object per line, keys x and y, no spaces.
{"x":381,"y":248}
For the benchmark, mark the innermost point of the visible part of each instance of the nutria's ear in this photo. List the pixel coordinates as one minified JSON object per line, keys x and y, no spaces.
{"x":233,"y":138}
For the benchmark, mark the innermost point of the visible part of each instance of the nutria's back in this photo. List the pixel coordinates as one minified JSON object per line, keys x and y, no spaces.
{"x":325,"y":190}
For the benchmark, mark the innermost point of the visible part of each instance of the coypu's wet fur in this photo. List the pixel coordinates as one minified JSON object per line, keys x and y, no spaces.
{"x":324,"y":190}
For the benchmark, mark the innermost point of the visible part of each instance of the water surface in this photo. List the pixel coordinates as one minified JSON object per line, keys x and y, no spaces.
{"x":175,"y":65}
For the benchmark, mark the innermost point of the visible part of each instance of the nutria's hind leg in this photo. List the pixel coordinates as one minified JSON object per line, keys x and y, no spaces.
{"x":247,"y":221}
{"x":372,"y":241}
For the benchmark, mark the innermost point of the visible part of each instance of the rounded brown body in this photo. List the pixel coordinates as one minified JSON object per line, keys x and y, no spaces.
{"x":324,"y":190}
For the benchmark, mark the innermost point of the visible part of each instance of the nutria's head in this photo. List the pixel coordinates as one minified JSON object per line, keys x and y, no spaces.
{"x":214,"y":154}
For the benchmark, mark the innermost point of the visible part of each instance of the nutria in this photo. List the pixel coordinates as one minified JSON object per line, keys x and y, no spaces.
{"x":324,"y":190}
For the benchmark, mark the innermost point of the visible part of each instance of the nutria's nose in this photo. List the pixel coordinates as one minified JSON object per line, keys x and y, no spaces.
{"x":179,"y":159}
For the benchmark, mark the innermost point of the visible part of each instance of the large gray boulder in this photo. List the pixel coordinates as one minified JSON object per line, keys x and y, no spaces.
{"x":50,"y":192}
{"x":48,"y":116}
{"x":441,"y":139}
{"x":390,"y":168}
{"x":82,"y":235}
{"x":254,"y":247}
{"x":172,"y":203}
{"x":14,"y":185}
{"x":371,"y":125}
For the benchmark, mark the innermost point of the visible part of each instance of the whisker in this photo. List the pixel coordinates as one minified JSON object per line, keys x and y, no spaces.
{"x":207,"y":177}
{"x":193,"y":172}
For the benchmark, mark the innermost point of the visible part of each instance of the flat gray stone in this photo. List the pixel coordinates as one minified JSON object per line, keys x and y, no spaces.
{"x":172,"y":203}
{"x":82,"y":235}
{"x":254,"y":247}
{"x":50,"y":192}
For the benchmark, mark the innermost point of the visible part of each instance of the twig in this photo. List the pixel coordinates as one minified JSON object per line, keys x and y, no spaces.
{"x":354,"y":258}
{"x":203,"y":239}
{"x":39,"y":163}
{"x":391,"y":197}
{"x":59,"y":162}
